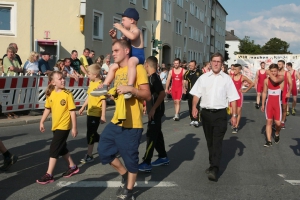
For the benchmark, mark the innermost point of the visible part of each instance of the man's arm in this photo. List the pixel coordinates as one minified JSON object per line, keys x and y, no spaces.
{"x":131,"y":35}
{"x":275,"y":79}
{"x":83,"y":69}
{"x":264,"y":95}
{"x":256,"y":78}
{"x":168,"y":81}
{"x":245,"y":78}
{"x":289,"y":77}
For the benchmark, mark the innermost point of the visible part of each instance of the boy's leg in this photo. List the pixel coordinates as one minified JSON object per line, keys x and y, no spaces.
{"x":294,"y":102}
{"x":92,"y":134}
{"x":111,"y":74}
{"x":132,"y":63}
{"x":51,"y":166}
{"x":2,"y":147}
{"x":239,"y":113}
{"x":69,"y":160}
{"x":269,"y":130}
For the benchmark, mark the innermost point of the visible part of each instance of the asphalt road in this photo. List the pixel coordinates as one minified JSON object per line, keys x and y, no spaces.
{"x":248,"y":170}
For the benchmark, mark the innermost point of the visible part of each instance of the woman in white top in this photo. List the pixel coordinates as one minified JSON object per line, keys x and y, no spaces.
{"x":31,"y":66}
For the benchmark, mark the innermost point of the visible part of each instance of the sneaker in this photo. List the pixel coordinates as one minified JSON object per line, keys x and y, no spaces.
{"x":87,"y":159}
{"x":161,"y":161}
{"x":257,"y":106}
{"x":176,"y":117}
{"x":127,"y":95}
{"x":119,"y":191}
{"x":268,"y":144}
{"x":196,"y":124}
{"x":192,"y":123}
{"x":70,"y":172}
{"x":144,"y":167}
{"x":235,"y":130}
{"x":47,"y":178}
{"x":293,"y":112}
{"x":282,"y":125}
{"x":287,"y":113}
{"x":125,"y":195}
{"x":9,"y":162}
{"x":99,"y":92}
{"x":276,"y":138}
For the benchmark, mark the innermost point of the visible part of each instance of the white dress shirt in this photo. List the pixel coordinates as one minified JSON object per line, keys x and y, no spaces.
{"x":215,"y":90}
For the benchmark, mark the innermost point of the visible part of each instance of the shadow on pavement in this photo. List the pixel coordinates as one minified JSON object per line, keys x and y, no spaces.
{"x":13,"y":136}
{"x":183,"y":150}
{"x":244,"y":121}
{"x":230,"y":148}
{"x":296,"y":148}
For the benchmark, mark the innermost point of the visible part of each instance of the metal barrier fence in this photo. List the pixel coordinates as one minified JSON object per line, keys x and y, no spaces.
{"x":19,"y":93}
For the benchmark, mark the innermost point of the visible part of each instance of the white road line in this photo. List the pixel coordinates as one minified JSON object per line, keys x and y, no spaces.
{"x":114,"y":184}
{"x":293,"y":182}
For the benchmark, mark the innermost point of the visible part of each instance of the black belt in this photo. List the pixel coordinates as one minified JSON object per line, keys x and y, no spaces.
{"x":213,"y":110}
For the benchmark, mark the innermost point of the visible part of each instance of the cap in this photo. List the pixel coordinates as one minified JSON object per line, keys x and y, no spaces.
{"x":131,"y":13}
{"x":45,"y":53}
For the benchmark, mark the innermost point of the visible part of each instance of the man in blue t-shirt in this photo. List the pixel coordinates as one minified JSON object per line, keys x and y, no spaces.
{"x":44,"y":67}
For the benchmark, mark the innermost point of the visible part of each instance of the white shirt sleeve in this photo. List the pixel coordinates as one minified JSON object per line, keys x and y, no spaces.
{"x":231,"y":92}
{"x":197,"y":89}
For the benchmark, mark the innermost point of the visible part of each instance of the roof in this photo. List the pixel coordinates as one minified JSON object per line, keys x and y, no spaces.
{"x":222,"y":7}
{"x":230,"y":36}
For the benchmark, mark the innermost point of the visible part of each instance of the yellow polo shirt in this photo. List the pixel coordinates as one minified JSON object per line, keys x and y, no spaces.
{"x":134,"y":107}
{"x":84,"y":63}
{"x":94,"y":103}
{"x":60,"y":104}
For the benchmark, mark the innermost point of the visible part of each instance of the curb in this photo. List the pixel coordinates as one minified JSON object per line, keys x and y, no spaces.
{"x":38,"y":118}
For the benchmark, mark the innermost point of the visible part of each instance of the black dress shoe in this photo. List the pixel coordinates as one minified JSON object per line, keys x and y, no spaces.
{"x":212,"y":175}
{"x":208,"y":170}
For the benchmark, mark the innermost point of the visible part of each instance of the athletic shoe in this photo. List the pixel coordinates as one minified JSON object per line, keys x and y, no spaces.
{"x":282,"y":125}
{"x":70,"y":172}
{"x":161,"y":161}
{"x":287,"y":113}
{"x":276,"y":138}
{"x":268,"y":144}
{"x":87,"y":159}
{"x":235,"y":130}
{"x":212,"y":175}
{"x":127,"y":95}
{"x":293,"y":112}
{"x":257,"y":106}
{"x":9,"y":162}
{"x":119,"y":191}
{"x":144,"y":167}
{"x":196,"y":124}
{"x":125,"y":195}
{"x":99,"y":92}
{"x":192,"y":123}
{"x":47,"y":178}
{"x":176,"y":117}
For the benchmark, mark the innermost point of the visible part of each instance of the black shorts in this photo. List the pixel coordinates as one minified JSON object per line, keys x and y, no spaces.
{"x":58,"y":145}
{"x":92,"y":124}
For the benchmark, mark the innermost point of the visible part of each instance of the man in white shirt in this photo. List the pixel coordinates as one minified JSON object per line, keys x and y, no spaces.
{"x":216,"y":89}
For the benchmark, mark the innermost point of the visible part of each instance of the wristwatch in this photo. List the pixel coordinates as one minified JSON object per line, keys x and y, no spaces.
{"x":235,"y":115}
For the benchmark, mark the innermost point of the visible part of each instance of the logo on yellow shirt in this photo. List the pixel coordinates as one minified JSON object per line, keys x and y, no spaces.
{"x":63,"y":102}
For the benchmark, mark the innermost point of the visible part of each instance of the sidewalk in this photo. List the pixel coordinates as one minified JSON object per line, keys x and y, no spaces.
{"x":27,"y":119}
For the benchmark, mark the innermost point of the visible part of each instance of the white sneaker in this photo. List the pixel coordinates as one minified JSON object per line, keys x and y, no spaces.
{"x":127,"y":95}
{"x":99,"y":92}
{"x":192,"y":123}
{"x":196,"y":124}
{"x":176,"y":117}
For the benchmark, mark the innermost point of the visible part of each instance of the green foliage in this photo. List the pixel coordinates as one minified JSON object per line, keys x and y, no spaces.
{"x":247,"y":46}
{"x":276,"y":46}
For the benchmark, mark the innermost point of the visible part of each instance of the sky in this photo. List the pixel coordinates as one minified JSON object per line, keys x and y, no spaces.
{"x":262,"y":20}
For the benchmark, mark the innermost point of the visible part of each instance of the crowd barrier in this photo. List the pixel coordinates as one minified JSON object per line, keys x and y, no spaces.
{"x":19,"y":93}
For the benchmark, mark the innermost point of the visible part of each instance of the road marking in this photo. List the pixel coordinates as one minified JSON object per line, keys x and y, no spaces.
{"x":292,"y":182}
{"x":114,"y":184}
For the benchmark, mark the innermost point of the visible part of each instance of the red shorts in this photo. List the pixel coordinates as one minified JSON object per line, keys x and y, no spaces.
{"x":239,"y":102}
{"x":294,"y":90}
{"x":273,"y":108}
{"x":259,"y":88}
{"x":176,"y":94}
{"x":283,"y":98}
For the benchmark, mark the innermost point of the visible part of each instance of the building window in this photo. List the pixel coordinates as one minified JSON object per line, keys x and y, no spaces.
{"x":184,"y":44}
{"x":177,"y":52}
{"x":8,"y":19}
{"x":145,"y":36}
{"x":202,"y":15}
{"x":197,"y":12}
{"x":178,"y":27}
{"x":167,"y":10}
{"x":118,"y":20}
{"x":98,"y":25}
{"x":186,"y":18}
{"x":132,"y":1}
{"x":145,"y":4}
{"x":180,"y":3}
{"x":192,"y":8}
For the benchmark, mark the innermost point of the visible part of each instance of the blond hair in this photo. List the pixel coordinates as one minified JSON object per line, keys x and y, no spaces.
{"x":51,"y":87}
{"x":58,"y":65}
{"x":32,"y":55}
{"x":95,"y":69}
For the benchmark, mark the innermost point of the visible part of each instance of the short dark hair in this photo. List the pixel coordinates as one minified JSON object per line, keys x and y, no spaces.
{"x":273,"y":66}
{"x":262,"y":62}
{"x":289,"y":64}
{"x":177,"y":59}
{"x":73,"y":51}
{"x":217,"y":55}
{"x":67,"y":59}
{"x":92,"y":51}
{"x":238,"y":65}
{"x":194,"y":61}
{"x":281,"y":61}
{"x":152,"y":61}
{"x":86,"y":49}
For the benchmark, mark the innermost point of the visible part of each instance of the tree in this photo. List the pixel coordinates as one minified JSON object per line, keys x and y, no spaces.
{"x":276,"y":46}
{"x":226,"y":54}
{"x":247,"y":46}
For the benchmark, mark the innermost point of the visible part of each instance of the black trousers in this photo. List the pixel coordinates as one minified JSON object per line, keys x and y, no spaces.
{"x":155,"y":140}
{"x":190,"y":103}
{"x":214,"y":127}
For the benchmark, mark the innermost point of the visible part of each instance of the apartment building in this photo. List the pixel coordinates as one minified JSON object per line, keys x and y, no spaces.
{"x":233,"y":41}
{"x":188,"y":29}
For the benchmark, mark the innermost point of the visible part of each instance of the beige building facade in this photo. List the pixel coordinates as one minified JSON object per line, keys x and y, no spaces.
{"x":188,"y":29}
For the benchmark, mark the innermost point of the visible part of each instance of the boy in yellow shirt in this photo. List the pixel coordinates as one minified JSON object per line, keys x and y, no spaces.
{"x":95,"y":112}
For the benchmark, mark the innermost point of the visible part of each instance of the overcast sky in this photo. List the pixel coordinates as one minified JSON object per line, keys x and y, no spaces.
{"x":262,"y":20}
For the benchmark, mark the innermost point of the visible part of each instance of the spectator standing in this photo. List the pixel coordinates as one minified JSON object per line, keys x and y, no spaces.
{"x":105,"y":66}
{"x":14,"y":45}
{"x":75,"y":62}
{"x":31,"y":66}
{"x":10,"y":63}
{"x":84,"y":62}
{"x":90,"y":57}
{"x":43,"y":64}
{"x":99,"y":60}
